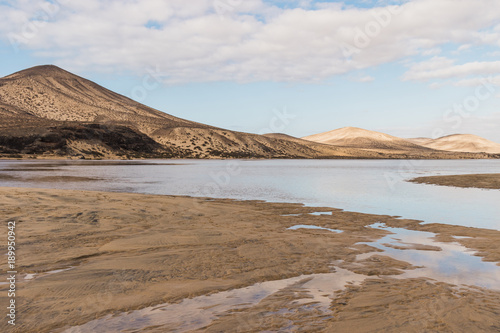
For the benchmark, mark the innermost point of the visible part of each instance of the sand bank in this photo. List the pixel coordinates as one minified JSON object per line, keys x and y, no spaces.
{"x":488,"y":181}
{"x":90,"y":254}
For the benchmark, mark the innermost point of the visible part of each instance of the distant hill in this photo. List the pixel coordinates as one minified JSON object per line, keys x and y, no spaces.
{"x":460,"y":143}
{"x":47,"y":111}
{"x":354,"y":137}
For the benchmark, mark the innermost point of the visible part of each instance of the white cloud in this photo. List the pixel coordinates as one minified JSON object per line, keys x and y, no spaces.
{"x":478,"y":81}
{"x":443,"y":68}
{"x":252,"y":40}
{"x":485,"y":126}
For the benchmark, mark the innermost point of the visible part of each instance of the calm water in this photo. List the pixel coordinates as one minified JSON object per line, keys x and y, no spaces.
{"x":356,"y":185}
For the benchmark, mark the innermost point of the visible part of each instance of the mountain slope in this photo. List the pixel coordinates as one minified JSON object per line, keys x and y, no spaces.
{"x":360,"y":138}
{"x":461,"y":143}
{"x":50,"y":92}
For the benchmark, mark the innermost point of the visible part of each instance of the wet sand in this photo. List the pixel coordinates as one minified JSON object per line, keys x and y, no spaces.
{"x":487,"y":181}
{"x":122,"y":252}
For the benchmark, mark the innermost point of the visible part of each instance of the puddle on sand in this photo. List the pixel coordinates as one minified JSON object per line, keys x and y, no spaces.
{"x":449,"y":262}
{"x":195,"y":313}
{"x":313,"y":227}
{"x":321,"y":213}
{"x":314,"y":213}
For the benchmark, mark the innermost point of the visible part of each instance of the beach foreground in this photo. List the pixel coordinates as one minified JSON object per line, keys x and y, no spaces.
{"x":100,"y":253}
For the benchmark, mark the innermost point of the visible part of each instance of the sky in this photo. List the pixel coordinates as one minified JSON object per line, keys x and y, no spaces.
{"x":410,"y":68}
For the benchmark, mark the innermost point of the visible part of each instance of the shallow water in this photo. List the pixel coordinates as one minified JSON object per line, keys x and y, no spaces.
{"x":453,"y":264}
{"x":313,"y":227}
{"x":448,"y":262}
{"x":197,"y":312}
{"x":369,"y":186}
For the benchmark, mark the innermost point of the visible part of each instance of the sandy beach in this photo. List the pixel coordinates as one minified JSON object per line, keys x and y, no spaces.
{"x":95,"y":253}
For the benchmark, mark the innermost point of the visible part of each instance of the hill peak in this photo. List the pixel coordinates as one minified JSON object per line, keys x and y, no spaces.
{"x":42,"y":70}
{"x":362,"y":138}
{"x":470,"y":143}
{"x":349,"y":132}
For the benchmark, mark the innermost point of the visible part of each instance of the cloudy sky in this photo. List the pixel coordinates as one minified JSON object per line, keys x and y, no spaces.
{"x":408,"y":68}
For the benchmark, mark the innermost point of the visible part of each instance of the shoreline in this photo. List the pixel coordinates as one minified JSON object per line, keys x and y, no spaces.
{"x":129,"y":251}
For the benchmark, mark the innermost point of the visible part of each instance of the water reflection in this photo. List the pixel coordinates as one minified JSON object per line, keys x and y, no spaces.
{"x":355,"y":185}
{"x":195,"y":313}
{"x":452,"y":263}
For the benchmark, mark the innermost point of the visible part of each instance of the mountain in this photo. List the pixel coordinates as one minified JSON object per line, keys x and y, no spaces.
{"x":460,"y":143}
{"x":47,"y":111}
{"x":49,"y":92}
{"x":354,"y":137}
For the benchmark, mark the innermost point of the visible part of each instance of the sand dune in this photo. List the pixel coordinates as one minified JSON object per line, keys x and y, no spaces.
{"x":361,"y":138}
{"x":460,"y":143}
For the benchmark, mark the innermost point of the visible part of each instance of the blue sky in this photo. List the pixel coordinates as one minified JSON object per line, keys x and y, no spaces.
{"x":407,"y":68}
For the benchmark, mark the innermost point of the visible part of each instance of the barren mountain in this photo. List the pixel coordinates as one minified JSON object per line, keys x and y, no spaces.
{"x":461,"y":143}
{"x":49,"y":92}
{"x":360,"y":138}
{"x":48,"y":111}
